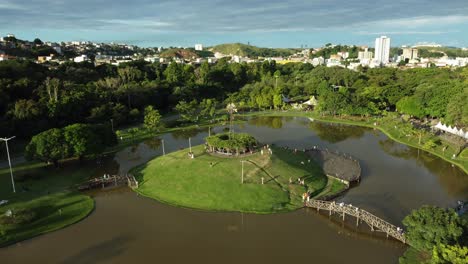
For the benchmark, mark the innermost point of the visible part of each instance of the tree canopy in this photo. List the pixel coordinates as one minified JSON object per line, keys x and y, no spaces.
{"x":231,"y":141}
{"x":430,"y":226}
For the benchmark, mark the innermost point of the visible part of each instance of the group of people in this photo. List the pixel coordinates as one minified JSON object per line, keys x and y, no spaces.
{"x":266,"y":148}
{"x":306,"y":197}
{"x":299,"y":181}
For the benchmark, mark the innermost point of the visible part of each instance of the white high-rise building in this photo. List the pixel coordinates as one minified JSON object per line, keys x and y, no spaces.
{"x":382,"y":50}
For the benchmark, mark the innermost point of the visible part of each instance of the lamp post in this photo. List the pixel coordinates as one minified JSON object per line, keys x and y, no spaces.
{"x":9,"y":161}
{"x":112,"y":125}
{"x":242,"y":176}
{"x":164,"y":151}
{"x":190,"y":144}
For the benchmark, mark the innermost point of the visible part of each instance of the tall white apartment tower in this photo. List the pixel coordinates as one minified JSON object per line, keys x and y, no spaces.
{"x":382,"y":50}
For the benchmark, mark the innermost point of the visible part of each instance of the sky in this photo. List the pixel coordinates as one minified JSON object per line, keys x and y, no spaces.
{"x":272,"y":23}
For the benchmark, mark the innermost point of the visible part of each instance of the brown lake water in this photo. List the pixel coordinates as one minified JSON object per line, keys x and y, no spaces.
{"x":127,"y":228}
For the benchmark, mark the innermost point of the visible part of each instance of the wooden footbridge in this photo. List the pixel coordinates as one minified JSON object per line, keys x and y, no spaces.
{"x":374,"y":222}
{"x":109,"y":181}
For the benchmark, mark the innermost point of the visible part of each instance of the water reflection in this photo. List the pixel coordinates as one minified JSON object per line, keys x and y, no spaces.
{"x":335,"y":133}
{"x":267,"y":121}
{"x":153,"y":143}
{"x":450,"y":176}
{"x":187,"y":133}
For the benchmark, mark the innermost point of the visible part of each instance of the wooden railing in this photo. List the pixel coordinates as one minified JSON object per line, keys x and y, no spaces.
{"x":374,"y":222}
{"x":109,"y":181}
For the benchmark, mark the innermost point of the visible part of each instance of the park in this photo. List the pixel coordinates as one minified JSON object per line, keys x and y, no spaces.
{"x":265,"y":180}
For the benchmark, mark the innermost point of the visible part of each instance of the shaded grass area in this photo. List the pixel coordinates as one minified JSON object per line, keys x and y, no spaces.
{"x":214,"y":183}
{"x":391,"y":127}
{"x":47,"y":195}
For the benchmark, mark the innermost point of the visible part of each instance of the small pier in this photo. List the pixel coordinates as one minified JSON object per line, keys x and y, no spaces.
{"x":108,"y":181}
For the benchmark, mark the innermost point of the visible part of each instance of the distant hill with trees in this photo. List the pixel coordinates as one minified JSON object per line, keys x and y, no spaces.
{"x":179,"y":53}
{"x":240,"y":49}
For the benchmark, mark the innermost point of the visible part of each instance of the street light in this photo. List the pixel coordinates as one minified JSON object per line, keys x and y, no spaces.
{"x":242,"y":177}
{"x":9,"y":161}
{"x":164,"y":152}
{"x":190,"y":144}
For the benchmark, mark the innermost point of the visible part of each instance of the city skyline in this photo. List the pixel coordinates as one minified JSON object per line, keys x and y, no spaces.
{"x":267,"y":24}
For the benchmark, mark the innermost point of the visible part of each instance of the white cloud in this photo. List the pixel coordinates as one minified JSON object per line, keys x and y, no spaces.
{"x":138,"y":22}
{"x":404,"y":32}
{"x":421,"y":21}
{"x":11,"y":6}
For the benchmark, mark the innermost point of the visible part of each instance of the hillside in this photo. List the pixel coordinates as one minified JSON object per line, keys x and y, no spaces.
{"x":178,"y":53}
{"x":250,"y":51}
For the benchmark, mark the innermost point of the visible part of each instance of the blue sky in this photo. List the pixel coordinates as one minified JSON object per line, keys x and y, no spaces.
{"x":287,"y":23}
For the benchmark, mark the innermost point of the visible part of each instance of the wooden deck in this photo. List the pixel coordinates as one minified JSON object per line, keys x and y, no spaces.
{"x":374,"y":222}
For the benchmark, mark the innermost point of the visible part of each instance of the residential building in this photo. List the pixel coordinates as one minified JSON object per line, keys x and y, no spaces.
{"x":410,"y":53}
{"x":336,"y":57}
{"x":198,"y":47}
{"x":318,"y":61}
{"x":382,"y":50}
{"x":365,"y":55}
{"x":212,"y":60}
{"x":81,"y":58}
{"x":42,"y":59}
{"x":4,"y":57}
{"x":343,"y":54}
{"x":151,"y":59}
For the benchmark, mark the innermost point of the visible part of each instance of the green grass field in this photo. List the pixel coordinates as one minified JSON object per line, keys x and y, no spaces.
{"x":46,"y":196}
{"x":178,"y":180}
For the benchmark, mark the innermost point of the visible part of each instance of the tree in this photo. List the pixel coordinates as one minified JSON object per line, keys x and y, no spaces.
{"x":26,"y":109}
{"x":188,"y":111}
{"x":152,"y":120}
{"x":48,"y":146}
{"x":457,"y":109}
{"x":174,"y":73}
{"x":37,"y":41}
{"x":430,"y":144}
{"x":277,"y":100}
{"x":446,"y":254}
{"x":277,"y":75}
{"x":208,"y":107}
{"x":430,"y":226}
{"x":411,"y":106}
{"x":81,"y":140}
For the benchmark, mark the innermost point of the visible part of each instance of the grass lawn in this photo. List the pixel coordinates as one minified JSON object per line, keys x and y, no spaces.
{"x":45,"y":199}
{"x":178,"y":180}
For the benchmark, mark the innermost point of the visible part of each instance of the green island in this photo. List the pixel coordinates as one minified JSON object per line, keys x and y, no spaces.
{"x":216,"y":182}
